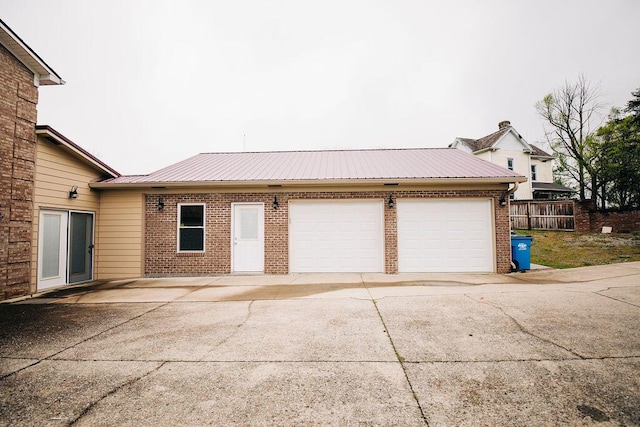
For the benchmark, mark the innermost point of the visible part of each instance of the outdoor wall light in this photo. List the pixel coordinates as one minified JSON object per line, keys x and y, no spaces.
{"x":275,"y":202}
{"x":503,"y":201}
{"x":160,"y":203}
{"x":73,"y":193}
{"x":390,"y":203}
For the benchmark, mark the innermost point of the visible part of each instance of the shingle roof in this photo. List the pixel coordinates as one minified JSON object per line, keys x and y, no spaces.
{"x":489,"y":140}
{"x":296,"y":166}
{"x":486,"y":141}
{"x":539,"y":152}
{"x":551,"y":186}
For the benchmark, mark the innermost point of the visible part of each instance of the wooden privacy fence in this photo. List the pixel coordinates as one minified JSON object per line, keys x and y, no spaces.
{"x":542,"y":215}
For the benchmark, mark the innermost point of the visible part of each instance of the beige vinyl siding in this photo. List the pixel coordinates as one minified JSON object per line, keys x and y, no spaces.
{"x":120,"y":233}
{"x":55,"y":173}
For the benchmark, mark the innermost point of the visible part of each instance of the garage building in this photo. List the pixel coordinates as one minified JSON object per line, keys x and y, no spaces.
{"x":385,"y":211}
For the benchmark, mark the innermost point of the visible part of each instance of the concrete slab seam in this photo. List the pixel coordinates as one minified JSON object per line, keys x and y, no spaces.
{"x":481,"y":361}
{"x":18,"y":370}
{"x":51,"y":356}
{"x":210,"y":361}
{"x":398,"y":356}
{"x":530,"y":279}
{"x":91,"y":405}
{"x":615,"y":299}
{"x":525,"y":330}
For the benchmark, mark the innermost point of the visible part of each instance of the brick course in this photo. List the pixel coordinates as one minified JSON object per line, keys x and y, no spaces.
{"x":18,"y":99}
{"x":162,"y":258}
{"x":588,"y":220}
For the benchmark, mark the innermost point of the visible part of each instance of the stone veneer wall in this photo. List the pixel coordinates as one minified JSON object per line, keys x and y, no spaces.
{"x":162,"y":259}
{"x":18,"y":100}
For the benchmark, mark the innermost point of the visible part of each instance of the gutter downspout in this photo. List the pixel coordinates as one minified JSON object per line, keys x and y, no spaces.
{"x":506,"y":196}
{"x":511,"y":190}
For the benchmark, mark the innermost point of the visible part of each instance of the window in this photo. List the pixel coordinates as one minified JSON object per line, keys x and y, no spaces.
{"x":510,"y":164}
{"x":534,"y":173}
{"x":191,"y":227}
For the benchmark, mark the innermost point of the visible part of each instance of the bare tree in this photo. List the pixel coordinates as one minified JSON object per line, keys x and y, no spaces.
{"x":572,"y":113}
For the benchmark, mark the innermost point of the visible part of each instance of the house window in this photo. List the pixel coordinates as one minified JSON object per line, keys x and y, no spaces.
{"x":191,"y":227}
{"x":534,"y":173}
{"x":510,"y":164}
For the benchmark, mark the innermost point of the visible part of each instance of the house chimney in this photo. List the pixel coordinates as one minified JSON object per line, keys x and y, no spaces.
{"x":503,"y":124}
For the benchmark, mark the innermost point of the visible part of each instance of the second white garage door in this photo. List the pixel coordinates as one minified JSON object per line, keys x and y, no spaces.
{"x":445,"y":236}
{"x":336,"y":236}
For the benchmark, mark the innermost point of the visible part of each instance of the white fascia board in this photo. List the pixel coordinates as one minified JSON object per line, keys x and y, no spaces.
{"x":484,"y":150}
{"x":43,"y":74}
{"x":527,"y":147}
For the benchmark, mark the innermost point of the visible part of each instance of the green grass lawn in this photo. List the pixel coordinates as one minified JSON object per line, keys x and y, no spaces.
{"x":562,"y":249}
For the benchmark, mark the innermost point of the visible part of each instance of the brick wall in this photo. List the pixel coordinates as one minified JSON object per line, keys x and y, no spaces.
{"x":162,"y":259}
{"x":18,"y":99}
{"x":582,"y":217}
{"x":588,"y":220}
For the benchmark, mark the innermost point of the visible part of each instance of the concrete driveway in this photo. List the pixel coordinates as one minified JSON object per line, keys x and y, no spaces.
{"x":539,"y":348}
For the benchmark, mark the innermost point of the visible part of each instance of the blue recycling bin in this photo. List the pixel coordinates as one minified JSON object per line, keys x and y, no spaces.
{"x":521,"y":251}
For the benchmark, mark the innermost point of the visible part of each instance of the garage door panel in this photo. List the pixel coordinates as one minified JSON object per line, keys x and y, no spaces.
{"x":336,"y":236}
{"x":445,"y":236}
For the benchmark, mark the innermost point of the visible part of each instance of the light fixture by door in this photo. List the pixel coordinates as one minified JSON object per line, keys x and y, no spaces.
{"x":160,"y":203}
{"x":275,"y":202}
{"x":390,"y":203}
{"x":73,"y":193}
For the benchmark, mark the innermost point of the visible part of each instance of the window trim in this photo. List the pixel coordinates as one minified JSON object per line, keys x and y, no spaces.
{"x":203,"y":227}
{"x":510,"y":163}
{"x":534,"y":172}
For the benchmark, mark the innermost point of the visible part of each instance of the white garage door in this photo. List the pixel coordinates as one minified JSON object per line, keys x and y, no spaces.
{"x":336,"y":236}
{"x":445,"y":236}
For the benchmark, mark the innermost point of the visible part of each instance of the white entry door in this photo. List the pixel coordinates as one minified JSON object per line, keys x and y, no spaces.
{"x":52,"y":249}
{"x":247,"y":238}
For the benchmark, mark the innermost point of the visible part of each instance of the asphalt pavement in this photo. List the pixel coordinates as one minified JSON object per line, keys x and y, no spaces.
{"x":546,"y":347}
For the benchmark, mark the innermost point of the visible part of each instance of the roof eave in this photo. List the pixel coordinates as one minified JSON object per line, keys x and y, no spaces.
{"x":43,"y":73}
{"x":533,"y":156}
{"x":58,"y":138}
{"x":484,"y":150}
{"x":315,"y":182}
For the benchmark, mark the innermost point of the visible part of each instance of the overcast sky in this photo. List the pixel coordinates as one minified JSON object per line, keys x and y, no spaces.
{"x":150,"y":83}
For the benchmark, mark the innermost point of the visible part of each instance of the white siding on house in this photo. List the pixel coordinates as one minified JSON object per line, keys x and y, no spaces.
{"x":544,"y":169}
{"x":510,"y":142}
{"x":510,"y":148}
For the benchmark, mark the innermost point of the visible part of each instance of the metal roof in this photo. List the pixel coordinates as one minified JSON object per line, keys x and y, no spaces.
{"x":325,"y":166}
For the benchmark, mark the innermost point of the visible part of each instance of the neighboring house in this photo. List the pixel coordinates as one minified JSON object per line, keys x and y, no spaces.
{"x":507,"y":148}
{"x":387,"y":211}
{"x":22,"y":71}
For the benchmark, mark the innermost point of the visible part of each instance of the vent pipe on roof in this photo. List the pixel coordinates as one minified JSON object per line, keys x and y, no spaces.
{"x":503,"y":124}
